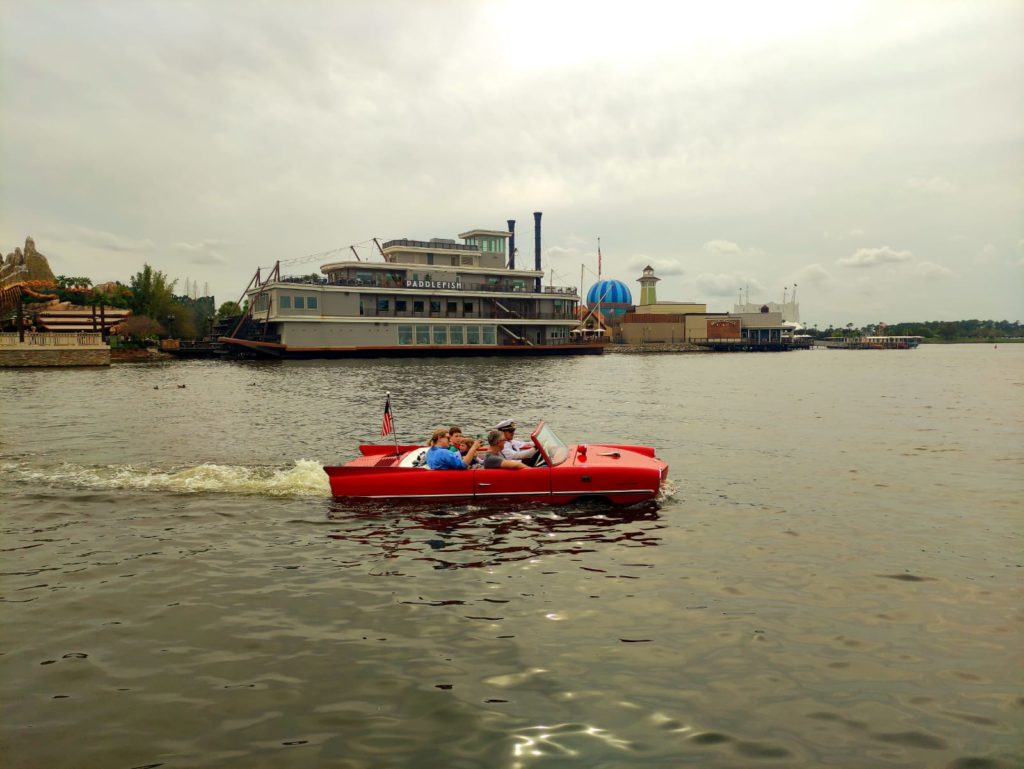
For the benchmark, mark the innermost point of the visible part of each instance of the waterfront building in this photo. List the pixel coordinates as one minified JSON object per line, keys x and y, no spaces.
{"x":788,"y":308}
{"x":425,"y":297}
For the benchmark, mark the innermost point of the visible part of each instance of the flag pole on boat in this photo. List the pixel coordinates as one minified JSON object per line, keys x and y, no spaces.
{"x":388,"y":423}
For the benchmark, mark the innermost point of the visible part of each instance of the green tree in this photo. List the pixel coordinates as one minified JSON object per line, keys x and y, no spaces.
{"x":228,"y":310}
{"x":63,"y":281}
{"x":152,"y":295}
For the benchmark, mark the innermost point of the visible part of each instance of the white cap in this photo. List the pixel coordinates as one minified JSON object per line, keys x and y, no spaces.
{"x":506,"y":424}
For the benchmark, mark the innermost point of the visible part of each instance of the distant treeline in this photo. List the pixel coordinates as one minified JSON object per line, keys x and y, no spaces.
{"x":935,"y":330}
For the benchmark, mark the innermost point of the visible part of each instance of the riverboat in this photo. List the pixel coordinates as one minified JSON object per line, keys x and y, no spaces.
{"x":869,"y":342}
{"x":433,"y":297}
{"x":565,"y":473}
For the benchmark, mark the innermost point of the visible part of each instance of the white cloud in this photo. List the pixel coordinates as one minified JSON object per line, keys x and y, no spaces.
{"x":932,"y":270}
{"x":872,"y":257}
{"x":814,"y":274}
{"x":723,"y":248}
{"x":663,"y":266}
{"x":726,"y":284}
{"x":203,"y":252}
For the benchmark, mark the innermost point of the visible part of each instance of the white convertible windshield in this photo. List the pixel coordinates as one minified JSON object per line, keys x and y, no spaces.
{"x":552,"y":446}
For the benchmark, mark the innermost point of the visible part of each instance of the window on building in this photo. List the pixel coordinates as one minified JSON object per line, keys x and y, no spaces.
{"x":489,"y":335}
{"x":472,"y":335}
{"x":284,"y":302}
{"x":430,"y":258}
{"x":423,"y":335}
{"x":300,"y":303}
{"x":417,"y":305}
{"x":452,"y":308}
{"x":435,"y":305}
{"x":467,"y":307}
{"x":440,"y":335}
{"x":383,"y":305}
{"x":405,"y":334}
{"x":310,"y":302}
{"x":455,"y":334}
{"x":400,"y":305}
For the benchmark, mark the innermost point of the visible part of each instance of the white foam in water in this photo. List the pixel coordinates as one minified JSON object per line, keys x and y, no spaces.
{"x":305,"y":478}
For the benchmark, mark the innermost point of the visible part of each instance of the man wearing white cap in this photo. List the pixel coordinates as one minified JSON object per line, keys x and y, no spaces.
{"x":513,"y":449}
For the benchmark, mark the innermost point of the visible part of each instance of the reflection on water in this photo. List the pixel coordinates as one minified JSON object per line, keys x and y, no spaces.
{"x":469,"y":537}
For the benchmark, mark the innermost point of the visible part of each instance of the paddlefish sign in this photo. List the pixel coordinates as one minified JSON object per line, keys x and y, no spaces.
{"x":433,"y":284}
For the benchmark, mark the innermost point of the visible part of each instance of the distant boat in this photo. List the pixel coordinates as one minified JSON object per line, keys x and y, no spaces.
{"x":869,"y":342}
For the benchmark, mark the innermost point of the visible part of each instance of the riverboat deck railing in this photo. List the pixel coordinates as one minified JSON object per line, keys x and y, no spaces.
{"x":51,"y":339}
{"x":501,"y":287}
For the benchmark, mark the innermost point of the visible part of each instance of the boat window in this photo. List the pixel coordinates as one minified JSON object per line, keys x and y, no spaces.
{"x":260,"y":305}
{"x":455,"y":333}
{"x":423,"y":335}
{"x":285,"y":303}
{"x":300,"y":303}
{"x":552,"y":446}
{"x":405,"y":334}
{"x":430,"y":258}
{"x":383,"y":305}
{"x":435,"y":305}
{"x":400,"y":305}
{"x":467,"y":307}
{"x":310,"y":302}
{"x":440,"y":335}
{"x":472,"y":335}
{"x":417,"y":305}
{"x":489,"y":335}
{"x":453,"y":307}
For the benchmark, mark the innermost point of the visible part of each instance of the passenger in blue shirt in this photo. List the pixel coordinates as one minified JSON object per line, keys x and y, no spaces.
{"x":440,"y":457}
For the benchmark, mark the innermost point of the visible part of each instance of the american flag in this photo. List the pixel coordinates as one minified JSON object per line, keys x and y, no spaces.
{"x":387,"y":427}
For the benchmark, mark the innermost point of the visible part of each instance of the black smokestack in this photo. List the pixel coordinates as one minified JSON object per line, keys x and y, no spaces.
{"x":512,"y":244}
{"x":536,"y":246}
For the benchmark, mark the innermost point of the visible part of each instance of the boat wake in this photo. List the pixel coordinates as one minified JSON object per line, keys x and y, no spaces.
{"x":305,"y":478}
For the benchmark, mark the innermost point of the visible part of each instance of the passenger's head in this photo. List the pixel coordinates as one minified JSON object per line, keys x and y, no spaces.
{"x":439,"y":436}
{"x":455,"y":433}
{"x":495,"y":438}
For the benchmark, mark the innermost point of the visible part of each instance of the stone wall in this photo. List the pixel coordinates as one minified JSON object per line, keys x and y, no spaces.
{"x":54,"y":356}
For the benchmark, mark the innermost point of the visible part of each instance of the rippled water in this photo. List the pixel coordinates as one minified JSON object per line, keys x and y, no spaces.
{"x":833,"y":579}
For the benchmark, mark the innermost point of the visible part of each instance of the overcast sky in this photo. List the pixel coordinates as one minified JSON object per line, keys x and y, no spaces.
{"x":872,"y":153}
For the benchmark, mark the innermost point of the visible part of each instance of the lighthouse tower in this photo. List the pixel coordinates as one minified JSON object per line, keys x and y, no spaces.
{"x":648,"y":288}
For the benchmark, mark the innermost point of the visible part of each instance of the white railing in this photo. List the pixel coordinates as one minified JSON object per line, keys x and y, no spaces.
{"x":47,"y":339}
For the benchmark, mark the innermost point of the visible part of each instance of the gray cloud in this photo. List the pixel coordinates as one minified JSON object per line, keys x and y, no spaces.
{"x":279,"y":130}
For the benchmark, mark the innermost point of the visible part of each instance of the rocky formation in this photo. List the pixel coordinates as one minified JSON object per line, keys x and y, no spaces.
{"x":25,"y":265}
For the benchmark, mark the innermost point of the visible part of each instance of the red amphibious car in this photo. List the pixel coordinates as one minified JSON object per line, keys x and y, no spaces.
{"x":622,"y":475}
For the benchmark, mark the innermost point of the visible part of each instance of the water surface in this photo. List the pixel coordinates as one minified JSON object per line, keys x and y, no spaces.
{"x":832,"y":579}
